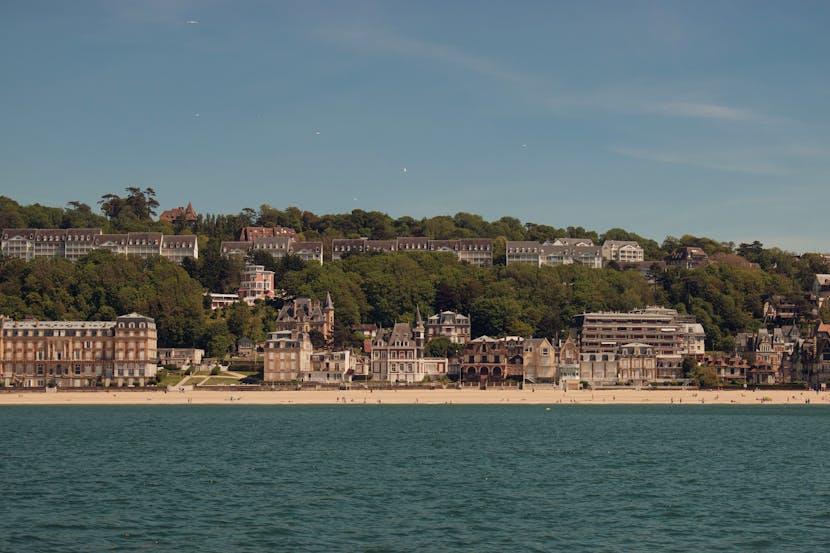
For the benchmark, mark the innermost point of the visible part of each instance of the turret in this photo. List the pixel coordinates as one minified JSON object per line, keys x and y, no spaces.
{"x":328,"y":315}
{"x":418,"y":330}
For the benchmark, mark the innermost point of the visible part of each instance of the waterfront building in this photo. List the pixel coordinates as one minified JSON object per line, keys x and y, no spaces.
{"x":730,"y":368}
{"x":487,"y":359}
{"x":622,"y":251}
{"x":307,"y":315}
{"x":637,"y":363}
{"x":449,"y":324}
{"x":692,"y":338}
{"x":568,"y":364}
{"x":74,"y":243}
{"x":330,"y":367}
{"x":180,"y":357}
{"x":78,"y":353}
{"x":398,"y":355}
{"x":256,"y":283}
{"x":287,"y":356}
{"x":605,"y":341}
{"x":539,"y":360}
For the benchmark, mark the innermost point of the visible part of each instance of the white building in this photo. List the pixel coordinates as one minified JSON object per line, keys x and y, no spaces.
{"x":622,"y":251}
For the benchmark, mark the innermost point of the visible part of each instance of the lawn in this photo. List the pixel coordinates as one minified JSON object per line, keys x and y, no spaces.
{"x":172,"y":378}
{"x":221,"y":381}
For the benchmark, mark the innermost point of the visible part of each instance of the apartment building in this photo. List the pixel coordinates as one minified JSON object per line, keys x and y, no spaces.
{"x":74,"y":243}
{"x":610,"y":343}
{"x":278,"y":245}
{"x":287,"y":356}
{"x":563,"y":251}
{"x":473,"y":251}
{"x":71,"y":354}
{"x":330,"y":367}
{"x":622,"y":251}
{"x":256,"y":283}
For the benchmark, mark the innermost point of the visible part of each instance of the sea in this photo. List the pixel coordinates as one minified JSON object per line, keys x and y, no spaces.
{"x":377,"y":478}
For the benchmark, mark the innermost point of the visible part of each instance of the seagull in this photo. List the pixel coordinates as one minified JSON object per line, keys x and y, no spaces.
{"x":404,"y":169}
{"x":196,"y":114}
{"x":524,"y":145}
{"x":316,"y":132}
{"x":192,"y":22}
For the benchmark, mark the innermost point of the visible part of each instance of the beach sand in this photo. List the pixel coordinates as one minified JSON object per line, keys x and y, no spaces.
{"x":469,"y":396}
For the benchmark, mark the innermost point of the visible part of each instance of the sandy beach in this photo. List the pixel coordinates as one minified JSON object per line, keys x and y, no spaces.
{"x":468,"y":396}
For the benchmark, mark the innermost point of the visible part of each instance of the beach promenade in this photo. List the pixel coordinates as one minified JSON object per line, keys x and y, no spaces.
{"x":468,"y":396}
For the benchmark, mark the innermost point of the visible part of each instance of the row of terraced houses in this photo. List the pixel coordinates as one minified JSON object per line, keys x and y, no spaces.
{"x":74,"y":243}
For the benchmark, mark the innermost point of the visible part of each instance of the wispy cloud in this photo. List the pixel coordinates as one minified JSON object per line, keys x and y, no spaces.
{"x":714,"y":162}
{"x":611,"y":98}
{"x":382,"y":41}
{"x":705,"y":111}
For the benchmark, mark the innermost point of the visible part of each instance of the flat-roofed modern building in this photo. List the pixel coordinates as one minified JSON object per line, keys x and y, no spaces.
{"x":219,"y":301}
{"x":78,"y":353}
{"x":608,"y":339}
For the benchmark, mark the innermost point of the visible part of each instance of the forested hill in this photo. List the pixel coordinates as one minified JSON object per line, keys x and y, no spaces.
{"x":727,"y":296}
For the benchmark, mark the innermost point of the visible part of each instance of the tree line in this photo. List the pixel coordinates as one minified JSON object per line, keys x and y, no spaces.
{"x":726,"y":297}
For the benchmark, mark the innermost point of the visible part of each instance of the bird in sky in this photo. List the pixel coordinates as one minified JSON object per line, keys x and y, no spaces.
{"x":192,"y":22}
{"x":404,"y":169}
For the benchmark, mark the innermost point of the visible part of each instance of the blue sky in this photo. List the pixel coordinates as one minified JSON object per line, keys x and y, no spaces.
{"x":660,"y":117}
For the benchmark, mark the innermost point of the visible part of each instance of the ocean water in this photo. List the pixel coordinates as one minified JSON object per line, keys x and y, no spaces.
{"x":414,"y":478}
